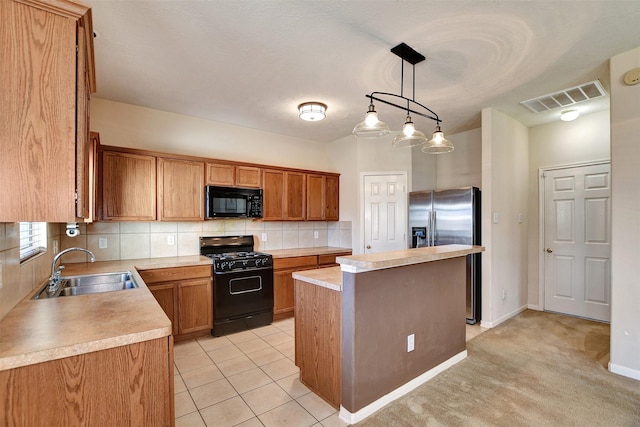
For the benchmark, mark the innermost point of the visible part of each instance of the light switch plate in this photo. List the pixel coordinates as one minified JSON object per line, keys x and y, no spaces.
{"x":411,"y":342}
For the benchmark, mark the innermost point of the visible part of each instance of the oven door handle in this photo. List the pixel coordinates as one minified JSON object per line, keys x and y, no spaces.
{"x":245,"y":291}
{"x":219,"y":273}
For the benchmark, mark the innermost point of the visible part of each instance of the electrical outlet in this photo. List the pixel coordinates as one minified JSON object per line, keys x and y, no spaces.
{"x":171,"y":240}
{"x":316,"y":235}
{"x":102,"y":243}
{"x":504,"y":294}
{"x":264,"y":237}
{"x":411,"y":342}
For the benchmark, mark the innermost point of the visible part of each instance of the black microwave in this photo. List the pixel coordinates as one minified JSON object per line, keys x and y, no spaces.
{"x":231,"y":202}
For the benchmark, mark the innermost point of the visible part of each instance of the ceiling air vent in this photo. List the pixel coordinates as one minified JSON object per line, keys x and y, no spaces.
{"x":566,"y":97}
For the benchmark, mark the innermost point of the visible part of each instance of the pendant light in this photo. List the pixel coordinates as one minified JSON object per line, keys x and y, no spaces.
{"x":438,"y":144}
{"x":372,"y":127}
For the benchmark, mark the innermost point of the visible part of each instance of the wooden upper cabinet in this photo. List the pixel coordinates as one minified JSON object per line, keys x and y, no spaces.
{"x":248,"y":176}
{"x":39,"y":64}
{"x":295,"y":191}
{"x":273,"y":194}
{"x":322,"y":197}
{"x":128,"y":186}
{"x":221,"y":174}
{"x":180,"y":190}
{"x":332,"y":198}
{"x":233,"y":175}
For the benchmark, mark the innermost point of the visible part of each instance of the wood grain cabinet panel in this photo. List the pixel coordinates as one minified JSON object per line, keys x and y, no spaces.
{"x":322,"y":197}
{"x":192,"y":293}
{"x":180,"y":190}
{"x":283,"y":293}
{"x":44,"y":124}
{"x":248,"y":176}
{"x":273,"y":194}
{"x":128,"y":186}
{"x":130,"y":385}
{"x":167,"y":298}
{"x":332,"y":198}
{"x":221,"y":174}
{"x":195,"y":306}
{"x":295,"y":191}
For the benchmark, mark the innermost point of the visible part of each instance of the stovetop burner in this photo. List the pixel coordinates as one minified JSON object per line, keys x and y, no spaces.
{"x":233,"y":253}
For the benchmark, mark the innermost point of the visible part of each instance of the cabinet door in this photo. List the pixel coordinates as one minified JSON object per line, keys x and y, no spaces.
{"x":316,"y":185}
{"x":83,"y":143}
{"x":180,"y":190}
{"x":248,"y":176}
{"x":37,"y":123}
{"x":273,"y":194}
{"x":195,"y":305}
{"x":221,"y":174}
{"x":295,"y":196}
{"x":128,"y":186}
{"x":283,"y":297}
{"x":166,"y":296}
{"x":332,"y":198}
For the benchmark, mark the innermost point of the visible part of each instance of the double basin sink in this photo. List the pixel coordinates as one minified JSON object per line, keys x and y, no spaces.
{"x":90,"y":284}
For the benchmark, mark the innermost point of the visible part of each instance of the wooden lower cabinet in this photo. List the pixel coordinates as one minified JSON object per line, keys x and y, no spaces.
{"x":283,"y":288}
{"x":130,"y":385}
{"x":186,"y":296}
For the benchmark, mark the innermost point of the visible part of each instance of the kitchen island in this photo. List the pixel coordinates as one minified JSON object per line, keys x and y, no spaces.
{"x":356,"y":325}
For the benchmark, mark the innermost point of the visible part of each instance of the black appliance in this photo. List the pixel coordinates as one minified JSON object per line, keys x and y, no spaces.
{"x":242,"y":284}
{"x":232,"y":202}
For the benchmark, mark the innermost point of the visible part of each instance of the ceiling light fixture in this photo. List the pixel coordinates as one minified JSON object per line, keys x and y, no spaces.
{"x":569,"y":115}
{"x":372,"y":127}
{"x":312,"y":111}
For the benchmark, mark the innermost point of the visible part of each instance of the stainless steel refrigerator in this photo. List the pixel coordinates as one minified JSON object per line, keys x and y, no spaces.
{"x":445,"y":217}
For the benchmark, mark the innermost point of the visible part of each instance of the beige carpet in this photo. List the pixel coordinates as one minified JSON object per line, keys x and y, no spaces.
{"x":537,"y":369}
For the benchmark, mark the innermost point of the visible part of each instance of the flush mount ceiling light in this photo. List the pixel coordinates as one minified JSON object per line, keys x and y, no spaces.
{"x":372,"y":127}
{"x":569,"y":115}
{"x":312,"y":111}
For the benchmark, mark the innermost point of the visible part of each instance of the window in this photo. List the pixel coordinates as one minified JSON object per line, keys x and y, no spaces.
{"x":33,"y":239}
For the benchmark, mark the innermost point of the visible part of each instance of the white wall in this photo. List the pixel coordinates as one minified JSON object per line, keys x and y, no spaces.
{"x":460,"y":168}
{"x":126,"y":125}
{"x":504,"y":183}
{"x":583,"y":140}
{"x":625,"y":197}
{"x":351,"y":156}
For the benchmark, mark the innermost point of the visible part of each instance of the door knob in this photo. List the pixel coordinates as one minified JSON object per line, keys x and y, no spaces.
{"x":368,"y":246}
{"x":549,"y":250}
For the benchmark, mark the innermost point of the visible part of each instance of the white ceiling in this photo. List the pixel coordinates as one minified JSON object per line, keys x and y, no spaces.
{"x":251,"y":62}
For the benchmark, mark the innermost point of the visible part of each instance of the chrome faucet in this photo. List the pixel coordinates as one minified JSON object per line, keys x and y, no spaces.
{"x":54,"y":280}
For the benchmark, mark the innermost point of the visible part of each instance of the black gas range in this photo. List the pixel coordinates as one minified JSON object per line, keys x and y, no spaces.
{"x":242,"y":283}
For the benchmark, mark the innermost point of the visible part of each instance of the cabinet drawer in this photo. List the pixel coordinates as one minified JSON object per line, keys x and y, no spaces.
{"x":157,"y":275}
{"x":295,"y":262}
{"x":330,"y":258}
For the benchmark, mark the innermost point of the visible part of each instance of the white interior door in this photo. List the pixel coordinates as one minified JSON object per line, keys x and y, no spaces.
{"x":577,"y":235}
{"x":385,"y":213}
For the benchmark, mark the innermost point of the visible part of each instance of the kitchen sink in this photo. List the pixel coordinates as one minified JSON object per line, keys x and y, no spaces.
{"x":90,"y":284}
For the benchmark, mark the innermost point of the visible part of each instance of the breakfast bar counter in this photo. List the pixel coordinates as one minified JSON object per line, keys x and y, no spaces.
{"x":381,"y":324}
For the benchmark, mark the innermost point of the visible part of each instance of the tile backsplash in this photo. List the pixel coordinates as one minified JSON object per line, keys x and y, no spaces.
{"x":18,"y":279}
{"x":131,"y":240}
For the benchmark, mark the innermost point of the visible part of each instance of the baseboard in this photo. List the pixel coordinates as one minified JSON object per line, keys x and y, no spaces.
{"x":504,"y":318}
{"x":352,"y":418}
{"x":534,"y":307}
{"x":624,"y":371}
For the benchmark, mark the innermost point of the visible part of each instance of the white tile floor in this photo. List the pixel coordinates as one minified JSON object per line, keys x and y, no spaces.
{"x":248,"y":379}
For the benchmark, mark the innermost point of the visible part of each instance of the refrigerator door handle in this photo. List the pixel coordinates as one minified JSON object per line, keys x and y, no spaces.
{"x":433,"y":227}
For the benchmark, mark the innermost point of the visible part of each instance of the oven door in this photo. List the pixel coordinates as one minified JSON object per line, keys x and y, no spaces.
{"x":242,"y":292}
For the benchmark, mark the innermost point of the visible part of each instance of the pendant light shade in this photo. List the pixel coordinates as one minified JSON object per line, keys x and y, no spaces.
{"x":371,"y":127}
{"x":409,"y":137}
{"x":438,"y":144}
{"x":312,"y":111}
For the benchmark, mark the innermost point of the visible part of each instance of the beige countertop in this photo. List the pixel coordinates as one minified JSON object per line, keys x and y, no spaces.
{"x":378,"y":261}
{"x":37,"y":331}
{"x":321,"y":250}
{"x":330,"y":277}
